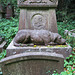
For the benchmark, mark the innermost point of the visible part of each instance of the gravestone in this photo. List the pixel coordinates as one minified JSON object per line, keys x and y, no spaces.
{"x":38,"y":14}
{"x":9,"y":11}
{"x":33,"y":63}
{"x":37,"y":21}
{"x":2,"y":12}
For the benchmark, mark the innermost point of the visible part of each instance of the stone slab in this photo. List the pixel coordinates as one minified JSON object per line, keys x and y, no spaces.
{"x":12,"y":50}
{"x":32,"y":63}
{"x":2,"y":46}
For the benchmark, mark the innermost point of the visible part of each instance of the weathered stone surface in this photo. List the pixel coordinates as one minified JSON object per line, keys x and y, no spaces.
{"x":12,"y":50}
{"x":39,"y":3}
{"x":9,"y":11}
{"x":2,"y":46}
{"x":41,"y":37}
{"x":39,"y":16}
{"x":33,"y":63}
{"x":38,"y":19}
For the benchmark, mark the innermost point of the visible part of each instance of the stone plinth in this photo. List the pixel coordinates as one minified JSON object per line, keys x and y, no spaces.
{"x":32,"y":63}
{"x":12,"y":50}
{"x":38,"y":14}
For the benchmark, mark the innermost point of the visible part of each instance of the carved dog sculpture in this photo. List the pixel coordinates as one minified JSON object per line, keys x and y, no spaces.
{"x":37,"y":37}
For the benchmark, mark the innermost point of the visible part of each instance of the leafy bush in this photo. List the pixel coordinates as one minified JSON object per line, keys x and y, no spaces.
{"x":62,"y":26}
{"x":65,"y":26}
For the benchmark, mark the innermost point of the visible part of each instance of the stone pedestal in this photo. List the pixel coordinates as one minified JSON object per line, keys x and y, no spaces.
{"x":34,"y":60}
{"x":33,"y":63}
{"x":38,"y":14}
{"x":65,"y":51}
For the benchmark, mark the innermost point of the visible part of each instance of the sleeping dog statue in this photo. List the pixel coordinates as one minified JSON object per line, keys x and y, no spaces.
{"x":38,"y":37}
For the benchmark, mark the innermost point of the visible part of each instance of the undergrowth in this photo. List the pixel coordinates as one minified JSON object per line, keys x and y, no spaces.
{"x":8,"y":28}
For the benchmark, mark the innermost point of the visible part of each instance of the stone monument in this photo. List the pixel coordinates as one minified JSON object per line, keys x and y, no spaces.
{"x":30,"y":52}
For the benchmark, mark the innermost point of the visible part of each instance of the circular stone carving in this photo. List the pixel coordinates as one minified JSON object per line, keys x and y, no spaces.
{"x":38,"y":22}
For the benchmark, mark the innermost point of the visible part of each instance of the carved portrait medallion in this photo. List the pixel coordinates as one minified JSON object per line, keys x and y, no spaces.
{"x":38,"y":22}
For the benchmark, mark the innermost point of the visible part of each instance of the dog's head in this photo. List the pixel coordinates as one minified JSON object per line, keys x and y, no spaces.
{"x":60,"y":40}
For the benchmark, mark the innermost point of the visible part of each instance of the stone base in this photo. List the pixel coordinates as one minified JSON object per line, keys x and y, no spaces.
{"x":12,"y":50}
{"x":2,"y":46}
{"x":32,"y":63}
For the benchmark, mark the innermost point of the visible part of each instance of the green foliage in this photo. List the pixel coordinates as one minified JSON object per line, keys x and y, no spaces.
{"x":5,"y":2}
{"x":70,"y":40}
{"x":67,"y":24}
{"x":3,"y":54}
{"x":69,"y":61}
{"x":8,"y":28}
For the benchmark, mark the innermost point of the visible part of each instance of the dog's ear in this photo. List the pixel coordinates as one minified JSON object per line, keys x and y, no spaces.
{"x":56,"y":35}
{"x":58,"y":39}
{"x":55,"y":40}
